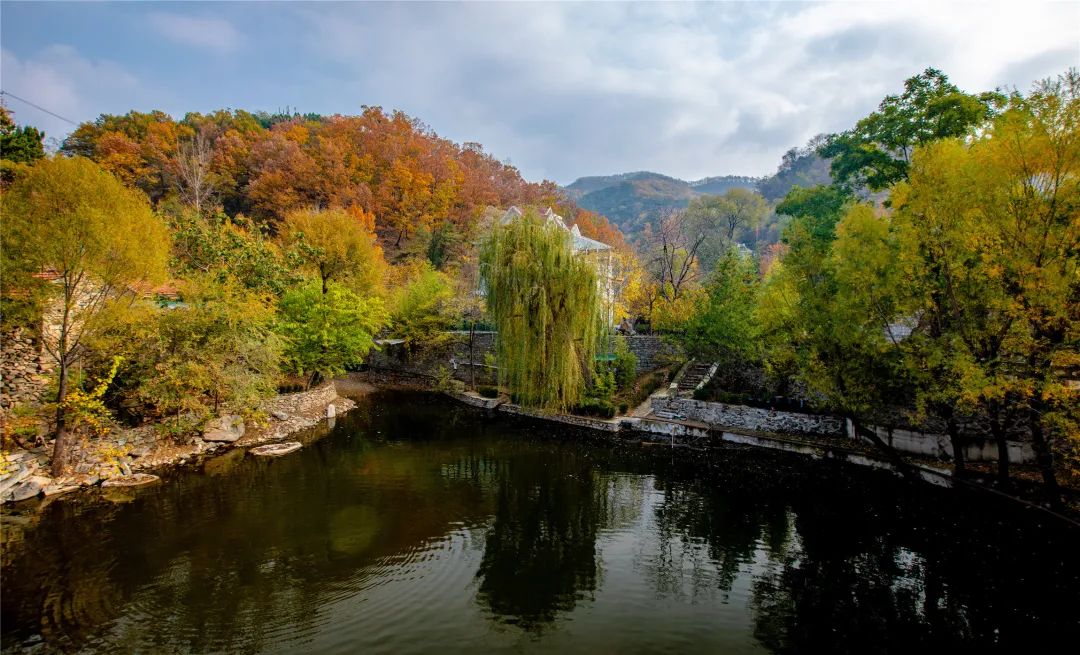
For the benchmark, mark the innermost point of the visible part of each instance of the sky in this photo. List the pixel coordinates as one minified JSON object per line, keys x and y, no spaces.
{"x":560,"y":90}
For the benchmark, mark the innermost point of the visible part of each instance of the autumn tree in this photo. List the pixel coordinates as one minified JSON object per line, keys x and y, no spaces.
{"x":96,"y":239}
{"x":336,"y":245}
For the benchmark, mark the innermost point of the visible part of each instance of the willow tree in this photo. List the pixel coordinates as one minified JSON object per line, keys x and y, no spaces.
{"x":546,"y":306}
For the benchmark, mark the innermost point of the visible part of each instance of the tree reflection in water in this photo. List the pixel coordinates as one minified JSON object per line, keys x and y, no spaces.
{"x":540,"y":552}
{"x":417,"y":520}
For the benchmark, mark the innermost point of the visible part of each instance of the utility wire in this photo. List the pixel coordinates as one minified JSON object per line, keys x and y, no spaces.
{"x":36,"y":106}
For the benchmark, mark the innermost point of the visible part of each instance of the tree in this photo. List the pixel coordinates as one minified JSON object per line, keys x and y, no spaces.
{"x":720,"y":218}
{"x":876,"y":153}
{"x":336,"y":245}
{"x":546,"y":306}
{"x":422,"y":308}
{"x":215,"y":350}
{"x":72,"y":221}
{"x":21,"y":144}
{"x":723,"y":328}
{"x":673,"y":250}
{"x":194,"y":177}
{"x":327,"y":332}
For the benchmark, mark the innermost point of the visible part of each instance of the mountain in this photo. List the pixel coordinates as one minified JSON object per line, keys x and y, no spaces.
{"x":630,"y":200}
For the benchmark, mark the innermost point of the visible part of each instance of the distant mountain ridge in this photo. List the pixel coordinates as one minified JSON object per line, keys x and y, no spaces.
{"x":630,"y":200}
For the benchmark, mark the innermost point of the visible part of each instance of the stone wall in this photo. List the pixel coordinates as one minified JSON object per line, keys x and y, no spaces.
{"x":740,"y":417}
{"x":652,"y":352}
{"x":455,"y":358}
{"x":24,"y":369}
{"x":933,"y":444}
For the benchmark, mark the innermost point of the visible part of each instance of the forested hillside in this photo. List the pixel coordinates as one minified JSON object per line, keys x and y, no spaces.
{"x":412,"y":185}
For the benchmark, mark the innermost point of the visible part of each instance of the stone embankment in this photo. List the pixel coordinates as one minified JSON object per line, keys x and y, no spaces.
{"x":128,"y":455}
{"x":23,"y":369}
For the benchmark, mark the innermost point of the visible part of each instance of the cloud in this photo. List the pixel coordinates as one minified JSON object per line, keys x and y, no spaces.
{"x":215,"y":34}
{"x":63,"y":81}
{"x":689,"y":90}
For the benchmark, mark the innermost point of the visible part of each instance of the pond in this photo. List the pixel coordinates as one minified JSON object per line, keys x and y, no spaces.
{"x":417,"y":525}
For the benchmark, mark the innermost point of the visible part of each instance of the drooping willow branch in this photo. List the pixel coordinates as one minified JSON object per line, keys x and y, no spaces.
{"x":547,"y":308}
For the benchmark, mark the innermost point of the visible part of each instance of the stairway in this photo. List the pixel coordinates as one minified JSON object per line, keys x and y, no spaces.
{"x":697,"y":372}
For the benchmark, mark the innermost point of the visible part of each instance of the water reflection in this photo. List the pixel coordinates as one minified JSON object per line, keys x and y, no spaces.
{"x":540,"y":552}
{"x":417,"y":523}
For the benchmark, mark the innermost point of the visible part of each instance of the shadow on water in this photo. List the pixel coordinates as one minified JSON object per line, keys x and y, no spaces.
{"x":418,"y":523}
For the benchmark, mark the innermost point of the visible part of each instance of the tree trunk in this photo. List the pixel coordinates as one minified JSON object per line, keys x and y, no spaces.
{"x":997,"y":428}
{"x":902,"y":467}
{"x":959,"y":463}
{"x":472,"y":355}
{"x":62,"y":446}
{"x":1044,"y":458}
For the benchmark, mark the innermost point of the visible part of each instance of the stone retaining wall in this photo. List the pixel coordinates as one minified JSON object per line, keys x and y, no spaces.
{"x":751,"y":418}
{"x":651,"y":351}
{"x":24,"y":369}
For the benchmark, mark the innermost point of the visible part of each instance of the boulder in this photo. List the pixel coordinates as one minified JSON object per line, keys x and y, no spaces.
{"x":61,"y":486}
{"x":276,"y":449}
{"x":141,"y":451}
{"x":27,"y":489}
{"x":280,"y":415}
{"x":225,"y":429}
{"x":136,"y":480}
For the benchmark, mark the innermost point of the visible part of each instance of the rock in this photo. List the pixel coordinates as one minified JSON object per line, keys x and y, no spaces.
{"x":28,"y":488}
{"x":87,"y":480}
{"x":331,"y":411}
{"x":61,"y":486}
{"x":280,"y":415}
{"x":141,"y":451}
{"x":125,"y":468}
{"x":226,"y":429}
{"x":276,"y":449}
{"x":135,"y":480}
{"x":21,"y":472}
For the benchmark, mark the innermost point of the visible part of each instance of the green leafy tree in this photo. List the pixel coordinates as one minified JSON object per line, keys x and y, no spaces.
{"x":96,"y":239}
{"x":19,"y":143}
{"x":227,"y":249}
{"x":876,"y":153}
{"x":546,"y":306}
{"x":326,"y":333}
{"x":720,"y":219}
{"x":723,"y":329}
{"x":215,"y":351}
{"x":423,"y":310}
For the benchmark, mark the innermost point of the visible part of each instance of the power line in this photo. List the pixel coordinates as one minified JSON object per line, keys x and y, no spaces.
{"x":38,"y":107}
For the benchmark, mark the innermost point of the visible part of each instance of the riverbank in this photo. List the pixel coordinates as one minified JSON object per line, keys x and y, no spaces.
{"x":656,"y":431}
{"x":124,"y":457}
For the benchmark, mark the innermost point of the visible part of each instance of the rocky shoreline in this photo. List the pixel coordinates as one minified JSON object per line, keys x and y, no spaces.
{"x":129,"y":457}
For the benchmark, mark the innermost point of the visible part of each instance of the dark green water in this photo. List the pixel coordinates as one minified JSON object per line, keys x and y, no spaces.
{"x":420,"y":526}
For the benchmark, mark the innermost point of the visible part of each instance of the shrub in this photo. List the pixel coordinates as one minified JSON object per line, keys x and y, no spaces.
{"x":624,"y":407}
{"x":488,"y":392}
{"x":595,"y":407}
{"x":625,"y":366}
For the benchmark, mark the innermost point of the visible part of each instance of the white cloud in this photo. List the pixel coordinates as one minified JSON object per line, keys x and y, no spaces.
{"x":689,"y":90}
{"x":61,"y":80}
{"x":214,"y":34}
